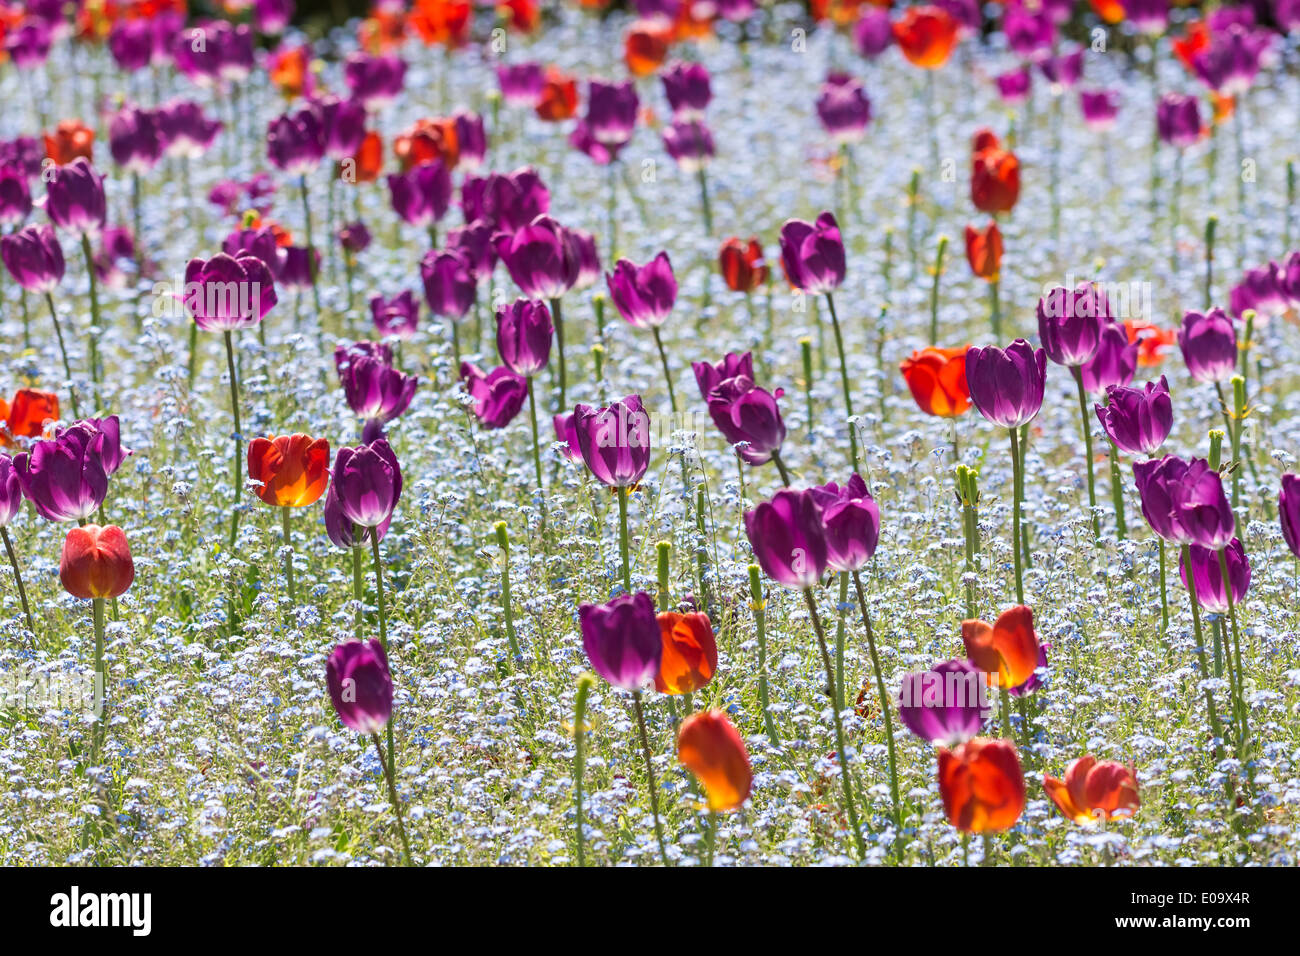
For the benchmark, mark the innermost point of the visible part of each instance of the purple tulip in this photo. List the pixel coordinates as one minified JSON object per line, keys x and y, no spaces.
{"x":1070,"y":323}
{"x":1178,"y":120}
{"x":296,"y":267}
{"x":873,"y":33}
{"x":66,"y":477}
{"x":541,"y":257}
{"x":584,"y":247}
{"x":11,"y":491}
{"x":360,"y":686}
{"x":74,"y":198}
{"x":354,"y":237}
{"x":259,"y":242}
{"x":34,"y":258}
{"x":1231,"y":62}
{"x":1148,"y":16}
{"x":524,"y":333}
{"x":225,"y":292}
{"x":185,"y":130}
{"x":375,"y":390}
{"x":25,"y":153}
{"x":471,"y":139}
{"x":1155,"y":480}
{"x":399,"y":316}
{"x":1209,"y":345}
{"x":1028,"y":32}
{"x":235,"y":52}
{"x":116,"y":245}
{"x":295,"y":142}
{"x":1115,"y":362}
{"x":421,"y":196}
{"x":622,"y":640}
{"x":1184,"y":501}
{"x":505,"y":202}
{"x":690,"y":144}
{"x":566,"y":434}
{"x":1006,"y":385}
{"x":851,"y":522}
{"x":134,"y":140}
{"x":131,"y":44}
{"x":615,"y":441}
{"x":788,"y":538}
{"x":644,"y":295}
{"x":1261,"y":290}
{"x":1288,"y":279}
{"x":944,"y":705}
{"x":520,"y":83}
{"x":498,"y":395}
{"x":584,"y":141}
{"x":813,"y":254}
{"x":688,"y":89}
{"x":748,"y":416}
{"x":272,"y":16}
{"x":1013,"y":86}
{"x":1208,"y":575}
{"x":1288,"y":510}
{"x":374,"y":80}
{"x":843,"y":108}
{"x":29,"y":43}
{"x":367,"y":482}
{"x":15,"y":196}
{"x":1138,"y":420}
{"x":1063,"y":70}
{"x":343,"y":124}
{"x":474,"y":241}
{"x":709,"y":375}
{"x":1100,"y":108}
{"x":449,"y":284}
{"x":611,"y":111}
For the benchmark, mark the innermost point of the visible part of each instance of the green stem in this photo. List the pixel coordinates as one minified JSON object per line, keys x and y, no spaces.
{"x":94,"y":315}
{"x":1244,"y":730}
{"x":839,"y":639}
{"x":580,"y":761}
{"x":668,"y":375}
{"x":1215,"y":727}
{"x":934,"y":290}
{"x":1117,"y":493}
{"x":710,"y":838}
{"x":995,"y":310}
{"x":503,"y":542}
{"x":623,"y":538}
{"x":311,"y":245}
{"x":63,"y":350}
{"x":557,"y":316}
{"x":650,"y":777}
{"x":18,"y":579}
{"x":705,"y":206}
{"x":886,"y":705}
{"x":97,"y":739}
{"x":288,"y":553}
{"x":392,"y":796}
{"x":383,"y":629}
{"x":846,"y":781}
{"x":1017,"y":478}
{"x":235,"y":464}
{"x":759,"y":606}
{"x":1164,"y":592}
{"x":1087,"y":452}
{"x":844,"y":382}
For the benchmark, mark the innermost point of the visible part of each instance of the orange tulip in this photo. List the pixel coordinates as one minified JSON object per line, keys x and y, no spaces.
{"x":1152,"y":341}
{"x":441,"y":21}
{"x":926,"y":35}
{"x":1224,"y":106}
{"x":289,"y":70}
{"x":293,"y":469}
{"x":984,"y":251}
{"x":522,"y":15}
{"x":691,"y":24}
{"x":983,"y":139}
{"x":368,"y":163}
{"x":1007,"y":651}
{"x":982,"y":785}
{"x":690,"y":653}
{"x":558,"y":100}
{"x":937,"y":379}
{"x":1190,"y":46}
{"x":645,"y":47}
{"x":426,"y":140}
{"x":995,"y":180}
{"x":70,"y":139}
{"x":742,"y":265}
{"x":382,"y":31}
{"x":709,"y":747}
{"x":1093,"y":791}
{"x":840,"y":12}
{"x":1110,"y":11}
{"x":96,"y":562}
{"x":28,"y":415}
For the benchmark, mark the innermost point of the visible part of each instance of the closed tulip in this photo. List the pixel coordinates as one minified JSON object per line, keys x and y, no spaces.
{"x":27,"y":416}
{"x":936,"y":378}
{"x":611,"y":111}
{"x":498,"y":395}
{"x":1114,"y":363}
{"x":748,"y":416}
{"x":367,"y":481}
{"x":15,"y":196}
{"x":1006,"y":385}
{"x":449,"y":283}
{"x":926,"y":34}
{"x":225,"y":293}
{"x":789,"y":538}
{"x":615,"y":441}
{"x":134,"y":139}
{"x":1094,"y":790}
{"x":71,"y":139}
{"x":34,"y":258}
{"x":690,"y":653}
{"x":622,"y":640}
{"x":1288,"y":509}
{"x":1209,"y":345}
{"x":295,"y":141}
{"x":687,"y":88}
{"x":1138,"y":420}
{"x":541,"y":258}
{"x":421,"y":197}
{"x":982,"y":785}
{"x":360,"y":685}
{"x":946,"y":704}
{"x":843,"y":108}
{"x":74,"y":198}
{"x":1208,"y":576}
{"x":813,"y":254}
{"x":1070,"y":323}
{"x":995,"y":180}
{"x":375,"y":390}
{"x":709,"y":375}
{"x":710,"y":747}
{"x":644,"y":295}
{"x":506,"y":202}
{"x":742,"y":265}
{"x":524,"y":331}
{"x":850,"y":522}
{"x":1006,"y":650}
{"x":96,"y":562}
{"x":984,"y":251}
{"x":1178,"y":120}
{"x":399,"y":316}
{"x":293,"y":469}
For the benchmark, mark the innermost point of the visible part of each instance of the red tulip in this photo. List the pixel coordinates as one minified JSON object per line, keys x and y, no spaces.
{"x":995,"y":180}
{"x":96,"y":562}
{"x":690,"y":653}
{"x":984,"y":251}
{"x":982,"y":785}
{"x":1007,"y":650}
{"x":1094,"y":791}
{"x":742,"y":265}
{"x":710,"y":747}
{"x":293,"y":469}
{"x":937,"y":379}
{"x":926,"y":35}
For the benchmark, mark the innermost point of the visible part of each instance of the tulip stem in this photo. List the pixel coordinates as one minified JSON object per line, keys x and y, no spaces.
{"x":18,"y":579}
{"x":194,"y":357}
{"x":358,"y":590}
{"x":383,"y":630}
{"x":650,"y":775}
{"x":995,"y":310}
{"x":780,"y":466}
{"x":1164,"y":591}
{"x":846,"y":781}
{"x":760,"y":627}
{"x":557,"y":315}
{"x":844,"y":381}
{"x":668,"y":375}
{"x":537,"y":448}
{"x":705,"y":205}
{"x":1087,"y":452}
{"x":934,"y":290}
{"x":288,"y":553}
{"x":1117,"y":493}
{"x":1215,"y":727}
{"x":392,"y":796}
{"x":311,"y":245}
{"x":503,"y":542}
{"x":886,"y":705}
{"x":622,"y":537}
{"x":67,"y":367}
{"x":711,"y":838}
{"x":1243,"y":730}
{"x":1016,"y":480}
{"x":840,"y":625}
{"x":580,"y":761}
{"x":97,"y":738}
{"x":94,"y":314}
{"x":234,"y":408}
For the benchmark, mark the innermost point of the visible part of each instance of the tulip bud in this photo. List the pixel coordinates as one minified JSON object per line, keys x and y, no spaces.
{"x":96,"y":562}
{"x":711,"y":748}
